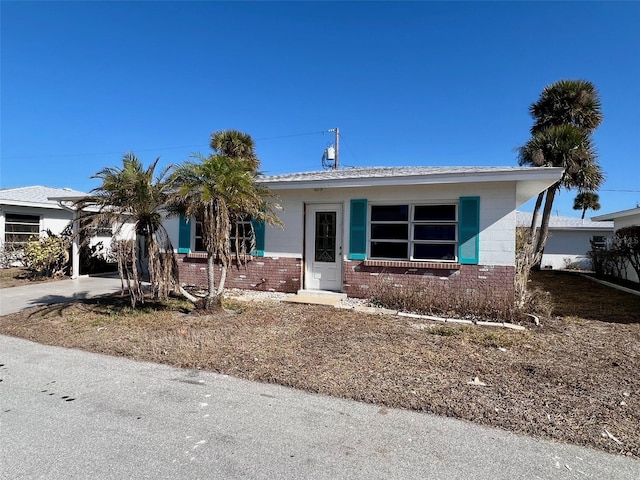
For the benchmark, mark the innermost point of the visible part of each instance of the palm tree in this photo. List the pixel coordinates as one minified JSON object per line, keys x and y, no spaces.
{"x":135,"y":196}
{"x":586,"y":201}
{"x":568,"y":103}
{"x":565,"y":146}
{"x":235,"y":144}
{"x":571,"y":102}
{"x":221,"y":191}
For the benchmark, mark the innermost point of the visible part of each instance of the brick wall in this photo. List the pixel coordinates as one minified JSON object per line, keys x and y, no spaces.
{"x":275,"y":274}
{"x":278,"y":274}
{"x":359,"y":276}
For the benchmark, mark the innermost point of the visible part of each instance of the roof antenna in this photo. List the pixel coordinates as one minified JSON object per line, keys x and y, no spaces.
{"x":330,"y":155}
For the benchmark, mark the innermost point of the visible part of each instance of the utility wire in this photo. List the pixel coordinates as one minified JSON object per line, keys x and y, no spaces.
{"x":629,"y":191}
{"x":69,"y":155}
{"x":350,"y":150}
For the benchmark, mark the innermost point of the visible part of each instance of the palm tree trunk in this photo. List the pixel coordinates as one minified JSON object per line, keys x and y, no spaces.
{"x":534,"y":217}
{"x":213,"y":300}
{"x":584,"y":210}
{"x":223,"y":278}
{"x":544,"y":227}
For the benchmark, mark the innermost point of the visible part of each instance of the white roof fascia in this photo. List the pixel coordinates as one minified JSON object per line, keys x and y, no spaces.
{"x":604,"y":228}
{"x":547,"y":176}
{"x":614,"y":215}
{"x":21,"y":203}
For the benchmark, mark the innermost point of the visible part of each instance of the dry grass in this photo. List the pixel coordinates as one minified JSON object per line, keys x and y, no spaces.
{"x":568,"y":380}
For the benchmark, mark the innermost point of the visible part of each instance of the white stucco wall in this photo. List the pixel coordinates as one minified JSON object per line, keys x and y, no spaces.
{"x":172,"y":226}
{"x":52,"y":219}
{"x":497,"y":215}
{"x":568,"y":249}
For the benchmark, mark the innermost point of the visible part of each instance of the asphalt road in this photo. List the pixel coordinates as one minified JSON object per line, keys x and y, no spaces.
{"x":71,"y":414}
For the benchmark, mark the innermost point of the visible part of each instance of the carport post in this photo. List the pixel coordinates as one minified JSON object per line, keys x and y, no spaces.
{"x":75,"y":246}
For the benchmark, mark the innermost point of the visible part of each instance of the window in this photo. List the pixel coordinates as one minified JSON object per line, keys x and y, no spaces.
{"x":413,"y":232}
{"x":242,"y":230}
{"x":598,"y":242}
{"x":18,"y":228}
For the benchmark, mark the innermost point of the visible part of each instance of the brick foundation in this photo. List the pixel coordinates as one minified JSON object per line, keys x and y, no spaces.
{"x":273,"y":274}
{"x":360,"y":276}
{"x":278,"y":274}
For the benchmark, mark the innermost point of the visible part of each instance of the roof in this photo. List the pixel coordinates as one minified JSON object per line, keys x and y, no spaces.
{"x":614,"y":215}
{"x":387,"y":172}
{"x":523,"y":219}
{"x":529,"y":181}
{"x":36,"y":196}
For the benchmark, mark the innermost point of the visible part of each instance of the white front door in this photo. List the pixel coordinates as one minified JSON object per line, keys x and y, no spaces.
{"x":323,"y":247}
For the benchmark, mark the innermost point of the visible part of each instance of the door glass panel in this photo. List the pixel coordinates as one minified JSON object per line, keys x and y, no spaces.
{"x":325,"y":237}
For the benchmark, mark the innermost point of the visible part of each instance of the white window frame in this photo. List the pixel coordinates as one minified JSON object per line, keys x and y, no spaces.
{"x":27,"y":235}
{"x":411,"y":224}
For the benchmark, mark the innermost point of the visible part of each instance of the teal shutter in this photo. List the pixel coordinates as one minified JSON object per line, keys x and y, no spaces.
{"x":358,"y":230}
{"x":258,"y":230}
{"x":469,"y":230}
{"x":184,"y":235}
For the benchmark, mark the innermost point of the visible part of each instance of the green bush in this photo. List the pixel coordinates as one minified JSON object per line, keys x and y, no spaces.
{"x":47,"y":256}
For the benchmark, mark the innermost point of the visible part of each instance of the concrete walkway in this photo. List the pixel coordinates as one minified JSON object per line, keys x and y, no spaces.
{"x":14,"y":299}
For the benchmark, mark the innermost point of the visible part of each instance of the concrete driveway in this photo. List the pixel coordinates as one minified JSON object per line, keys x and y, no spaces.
{"x":14,"y":299}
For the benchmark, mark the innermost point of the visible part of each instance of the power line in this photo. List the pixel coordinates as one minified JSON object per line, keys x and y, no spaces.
{"x":100,"y":154}
{"x":96,"y":154}
{"x":628,"y":191}
{"x":350,"y":149}
{"x":292,"y":135}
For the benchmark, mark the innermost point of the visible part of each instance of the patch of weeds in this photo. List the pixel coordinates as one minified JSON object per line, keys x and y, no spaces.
{"x":234,"y":306}
{"x":444,"y":331}
{"x":497,"y":338}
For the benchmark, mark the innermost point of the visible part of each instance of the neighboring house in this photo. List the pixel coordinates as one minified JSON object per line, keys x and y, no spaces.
{"x":26,"y":212}
{"x":569,"y":240}
{"x":621,"y":219}
{"x":346,"y":229}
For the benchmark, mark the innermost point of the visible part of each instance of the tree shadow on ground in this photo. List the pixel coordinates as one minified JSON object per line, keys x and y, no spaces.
{"x":108,"y":304}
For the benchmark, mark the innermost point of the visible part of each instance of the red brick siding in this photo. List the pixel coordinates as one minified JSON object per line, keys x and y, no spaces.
{"x":275,"y":274}
{"x":285,"y":275}
{"x":358,"y":277}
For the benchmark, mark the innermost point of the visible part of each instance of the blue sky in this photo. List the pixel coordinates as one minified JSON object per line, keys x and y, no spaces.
{"x":422,"y":83}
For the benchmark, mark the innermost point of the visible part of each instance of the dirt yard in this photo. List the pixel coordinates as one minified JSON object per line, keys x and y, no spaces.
{"x":573,"y":379}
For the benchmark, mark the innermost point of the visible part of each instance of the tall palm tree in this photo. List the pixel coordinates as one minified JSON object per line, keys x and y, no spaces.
{"x":573,"y":103}
{"x":235,"y":144}
{"x":221,"y":191}
{"x":570,"y":102}
{"x":586,"y":201}
{"x":134,"y":195}
{"x":565,"y":146}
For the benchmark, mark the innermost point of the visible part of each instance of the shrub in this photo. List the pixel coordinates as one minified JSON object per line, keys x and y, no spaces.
{"x":436,"y":299}
{"x":47,"y":256}
{"x":10,"y":256}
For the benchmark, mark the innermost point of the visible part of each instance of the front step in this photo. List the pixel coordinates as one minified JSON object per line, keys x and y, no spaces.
{"x":317,"y":297}
{"x":322,"y":293}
